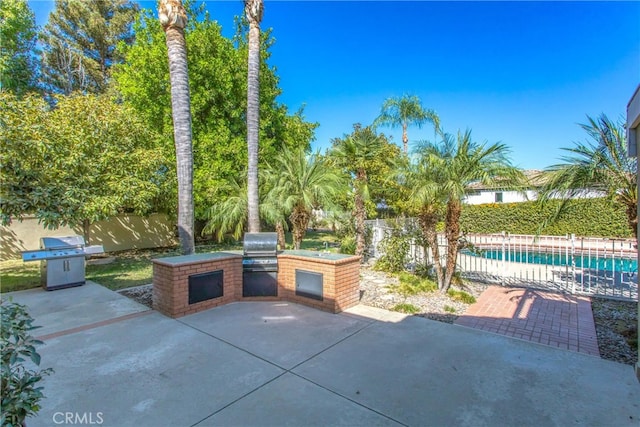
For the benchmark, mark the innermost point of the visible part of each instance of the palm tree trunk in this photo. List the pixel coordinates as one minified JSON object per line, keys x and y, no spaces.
{"x":632,"y":218}
{"x":299,"y":220}
{"x":405,"y":138}
{"x":282,"y":243}
{"x":360,"y":212}
{"x":452,"y":232}
{"x":173,"y":18}
{"x":253,"y":10}
{"x":428,"y":221}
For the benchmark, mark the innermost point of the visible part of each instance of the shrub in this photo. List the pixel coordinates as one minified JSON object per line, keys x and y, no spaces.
{"x":395,"y":251}
{"x":584,"y":217}
{"x":348,"y":245}
{"x":412,"y":285}
{"x":406,"y":308}
{"x":20,"y":394}
{"x":461,"y":296}
{"x":449,"y":309}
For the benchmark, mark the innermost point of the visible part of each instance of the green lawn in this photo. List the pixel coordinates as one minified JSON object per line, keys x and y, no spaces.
{"x":130,"y":268}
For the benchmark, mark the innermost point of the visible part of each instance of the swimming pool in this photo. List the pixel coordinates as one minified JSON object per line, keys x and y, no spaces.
{"x":626,"y":265}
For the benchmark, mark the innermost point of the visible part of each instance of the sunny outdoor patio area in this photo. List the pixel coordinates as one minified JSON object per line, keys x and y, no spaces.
{"x":120,"y":363}
{"x":267,"y":213}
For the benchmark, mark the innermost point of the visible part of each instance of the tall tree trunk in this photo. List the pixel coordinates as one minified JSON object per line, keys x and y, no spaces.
{"x":360,"y":212}
{"x":428,"y":220}
{"x":86,"y":228}
{"x":299,"y":221}
{"x":452,"y":231}
{"x":253,"y":11}
{"x":174,"y":19}
{"x":282,"y":243}
{"x":632,"y":218}
{"x":405,"y":138}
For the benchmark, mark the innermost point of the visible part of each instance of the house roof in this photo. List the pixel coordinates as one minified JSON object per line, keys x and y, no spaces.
{"x":534,"y":178}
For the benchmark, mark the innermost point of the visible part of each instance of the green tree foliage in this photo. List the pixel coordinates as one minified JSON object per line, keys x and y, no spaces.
{"x":358,"y":155}
{"x":304,"y":183}
{"x":454,"y":165}
{"x":18,"y":37}
{"x":80,"y":40}
{"x":86,"y":160}
{"x":405,"y":111}
{"x":600,"y":164}
{"x":217,"y":76}
{"x":583,"y":217}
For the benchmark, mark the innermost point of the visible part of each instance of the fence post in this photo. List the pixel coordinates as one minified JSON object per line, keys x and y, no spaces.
{"x":504,"y":258}
{"x":573,"y":263}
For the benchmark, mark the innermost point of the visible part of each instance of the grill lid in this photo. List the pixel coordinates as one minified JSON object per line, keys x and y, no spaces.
{"x":260,"y":244}
{"x":61,"y":242}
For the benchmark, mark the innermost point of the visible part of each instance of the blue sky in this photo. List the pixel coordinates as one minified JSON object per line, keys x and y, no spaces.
{"x":522,"y":73}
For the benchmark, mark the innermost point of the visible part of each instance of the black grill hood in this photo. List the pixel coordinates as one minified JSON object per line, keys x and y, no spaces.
{"x":257,"y":244}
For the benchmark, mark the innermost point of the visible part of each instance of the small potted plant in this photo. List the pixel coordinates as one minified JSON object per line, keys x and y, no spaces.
{"x":20,"y":391}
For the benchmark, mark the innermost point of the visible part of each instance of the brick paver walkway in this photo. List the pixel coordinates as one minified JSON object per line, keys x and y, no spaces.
{"x":562,"y":321}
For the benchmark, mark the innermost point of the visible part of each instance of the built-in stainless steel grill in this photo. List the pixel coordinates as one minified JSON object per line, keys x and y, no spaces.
{"x":62,"y":261}
{"x":260,"y":264}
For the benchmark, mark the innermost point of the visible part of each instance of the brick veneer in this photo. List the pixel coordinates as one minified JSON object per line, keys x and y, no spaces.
{"x":341,"y":281}
{"x":171,"y":281}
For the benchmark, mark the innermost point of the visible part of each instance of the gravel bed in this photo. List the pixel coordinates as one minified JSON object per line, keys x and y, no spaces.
{"x":616,"y":321}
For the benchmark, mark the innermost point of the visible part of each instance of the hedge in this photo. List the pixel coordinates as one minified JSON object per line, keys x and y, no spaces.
{"x":584,"y":217}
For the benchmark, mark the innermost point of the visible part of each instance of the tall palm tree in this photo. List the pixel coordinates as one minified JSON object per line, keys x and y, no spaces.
{"x":601,"y":164}
{"x":173,"y":18}
{"x":426,"y":200}
{"x":354,"y":154}
{"x":404,"y":111}
{"x":304,"y":183}
{"x":253,"y":10}
{"x":455,"y":165}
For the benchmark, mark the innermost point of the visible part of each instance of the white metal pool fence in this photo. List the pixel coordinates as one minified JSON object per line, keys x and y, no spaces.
{"x":580,"y":265}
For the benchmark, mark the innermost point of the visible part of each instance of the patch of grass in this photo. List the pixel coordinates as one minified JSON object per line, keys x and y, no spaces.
{"x":411,"y":284}
{"x":315,"y":241}
{"x":133,"y":267}
{"x":461,"y":296}
{"x":449,"y":309}
{"x":406,"y":308}
{"x":16,"y":275}
{"x":130,"y":268}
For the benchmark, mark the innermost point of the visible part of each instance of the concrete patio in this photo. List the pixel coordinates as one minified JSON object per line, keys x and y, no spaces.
{"x":279,"y":363}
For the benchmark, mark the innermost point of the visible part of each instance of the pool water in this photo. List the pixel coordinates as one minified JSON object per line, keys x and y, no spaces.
{"x":627,"y":265}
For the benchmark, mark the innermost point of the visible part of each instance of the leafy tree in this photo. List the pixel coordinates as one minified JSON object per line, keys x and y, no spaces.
{"x":173,"y":18}
{"x":404,"y":111}
{"x":304,"y":183}
{"x":18,"y":36}
{"x":600,"y":164}
{"x":86,"y":160}
{"x":218,"y":87}
{"x":454,"y":165}
{"x":79,"y":43}
{"x":354,"y":154}
{"x":253,"y":11}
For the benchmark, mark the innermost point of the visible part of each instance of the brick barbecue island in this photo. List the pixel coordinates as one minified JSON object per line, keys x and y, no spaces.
{"x":188,"y":284}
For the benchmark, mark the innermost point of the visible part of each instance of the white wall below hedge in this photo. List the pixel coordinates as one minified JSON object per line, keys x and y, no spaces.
{"x":116,"y":234}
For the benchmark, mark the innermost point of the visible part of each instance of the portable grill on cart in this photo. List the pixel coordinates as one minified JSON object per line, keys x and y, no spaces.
{"x":260,"y":265}
{"x":62,"y":261}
